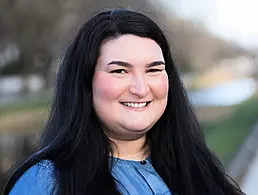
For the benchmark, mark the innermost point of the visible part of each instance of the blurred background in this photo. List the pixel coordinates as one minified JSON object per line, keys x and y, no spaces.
{"x":214,"y":43}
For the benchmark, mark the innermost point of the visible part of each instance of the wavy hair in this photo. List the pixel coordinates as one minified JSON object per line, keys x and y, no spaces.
{"x":75,"y":142}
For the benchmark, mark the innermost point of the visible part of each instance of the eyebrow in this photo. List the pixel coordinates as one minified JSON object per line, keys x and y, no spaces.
{"x":126,"y":64}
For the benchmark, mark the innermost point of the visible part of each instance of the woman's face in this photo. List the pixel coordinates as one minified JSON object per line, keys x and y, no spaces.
{"x":130,"y":86}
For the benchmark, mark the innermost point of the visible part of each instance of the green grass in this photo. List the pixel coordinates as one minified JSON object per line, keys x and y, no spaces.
{"x":225,"y":136}
{"x":24,"y":105}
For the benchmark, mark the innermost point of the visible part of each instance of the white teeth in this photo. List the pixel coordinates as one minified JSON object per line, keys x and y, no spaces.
{"x":135,"y":105}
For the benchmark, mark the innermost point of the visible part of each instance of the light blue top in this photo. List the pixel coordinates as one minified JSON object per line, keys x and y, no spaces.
{"x":137,"y":179}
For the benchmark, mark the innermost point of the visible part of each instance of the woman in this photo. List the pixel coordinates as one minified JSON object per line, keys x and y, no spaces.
{"x":121,"y":122}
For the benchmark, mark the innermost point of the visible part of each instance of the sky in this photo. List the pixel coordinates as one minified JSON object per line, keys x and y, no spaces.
{"x":234,"y":20}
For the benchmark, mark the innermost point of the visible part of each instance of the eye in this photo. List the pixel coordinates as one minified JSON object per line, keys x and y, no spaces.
{"x":155,"y":70}
{"x":119,"y":71}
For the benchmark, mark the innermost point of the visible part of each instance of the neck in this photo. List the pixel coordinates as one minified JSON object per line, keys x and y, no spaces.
{"x":130,"y":149}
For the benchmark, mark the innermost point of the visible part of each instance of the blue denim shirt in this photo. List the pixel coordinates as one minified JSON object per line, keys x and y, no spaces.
{"x":135,"y":178}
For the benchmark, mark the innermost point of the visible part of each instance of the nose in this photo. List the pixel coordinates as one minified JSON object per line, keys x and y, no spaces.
{"x":139,"y":86}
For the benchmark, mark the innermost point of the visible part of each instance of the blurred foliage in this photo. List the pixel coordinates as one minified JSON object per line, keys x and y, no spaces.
{"x":41,"y":29}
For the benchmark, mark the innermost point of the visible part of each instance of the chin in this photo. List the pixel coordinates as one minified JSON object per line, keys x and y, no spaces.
{"x":139,"y":128}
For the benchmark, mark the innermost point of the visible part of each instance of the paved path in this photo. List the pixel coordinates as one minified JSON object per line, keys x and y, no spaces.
{"x":250,"y":181}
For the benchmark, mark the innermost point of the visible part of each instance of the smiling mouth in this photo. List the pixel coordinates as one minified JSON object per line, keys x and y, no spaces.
{"x":136,"y":105}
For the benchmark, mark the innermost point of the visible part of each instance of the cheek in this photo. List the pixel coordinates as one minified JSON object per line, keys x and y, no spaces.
{"x":160,"y":86}
{"x":105,"y":87}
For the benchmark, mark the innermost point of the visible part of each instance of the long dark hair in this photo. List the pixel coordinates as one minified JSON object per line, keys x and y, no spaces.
{"x":75,"y":142}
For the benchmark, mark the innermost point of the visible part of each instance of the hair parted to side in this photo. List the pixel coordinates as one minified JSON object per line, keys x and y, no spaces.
{"x":75,"y":142}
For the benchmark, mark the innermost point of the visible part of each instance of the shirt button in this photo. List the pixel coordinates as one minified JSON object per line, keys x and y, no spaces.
{"x":143,"y":162}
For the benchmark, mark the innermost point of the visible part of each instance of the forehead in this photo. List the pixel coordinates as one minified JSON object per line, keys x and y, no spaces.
{"x":130,"y":48}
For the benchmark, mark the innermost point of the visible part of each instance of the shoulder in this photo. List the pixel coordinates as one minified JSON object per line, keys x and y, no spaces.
{"x":38,"y":179}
